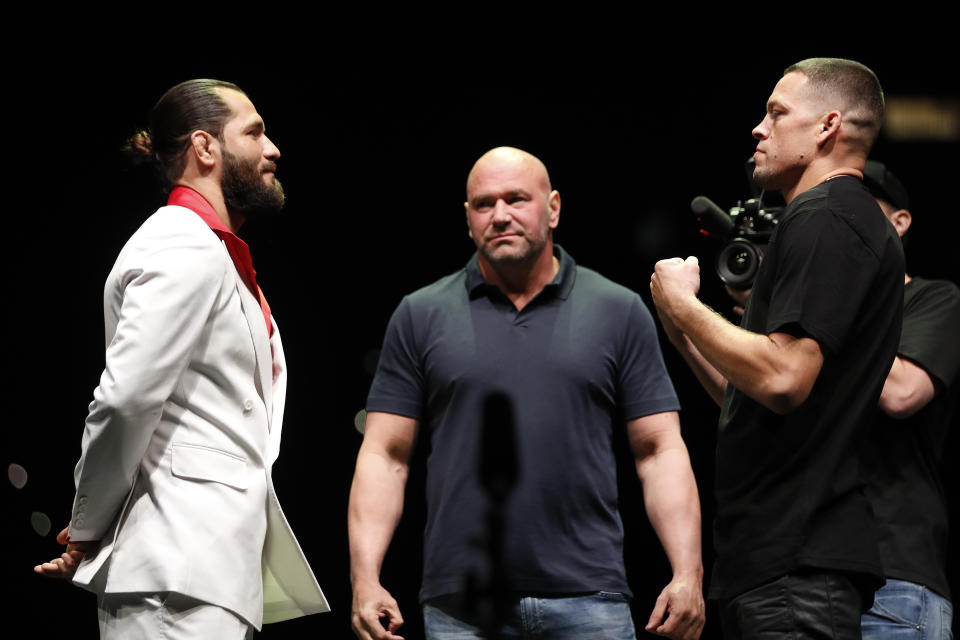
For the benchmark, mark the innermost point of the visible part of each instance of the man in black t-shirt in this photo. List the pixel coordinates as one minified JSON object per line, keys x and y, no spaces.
{"x":905,"y":447}
{"x":800,"y":378}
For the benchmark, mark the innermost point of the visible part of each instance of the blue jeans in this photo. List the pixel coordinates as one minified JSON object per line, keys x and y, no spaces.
{"x":598,"y":616}
{"x":904,"y":610}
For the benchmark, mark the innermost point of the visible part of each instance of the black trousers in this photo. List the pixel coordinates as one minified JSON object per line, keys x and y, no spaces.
{"x":815,"y":604}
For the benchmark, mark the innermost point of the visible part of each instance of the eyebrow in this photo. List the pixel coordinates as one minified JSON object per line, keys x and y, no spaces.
{"x":775,"y":103}
{"x":496,"y":196}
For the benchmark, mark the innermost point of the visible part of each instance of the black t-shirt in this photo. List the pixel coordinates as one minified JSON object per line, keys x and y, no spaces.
{"x":903,"y":456}
{"x":789,"y":487}
{"x":576,"y":362}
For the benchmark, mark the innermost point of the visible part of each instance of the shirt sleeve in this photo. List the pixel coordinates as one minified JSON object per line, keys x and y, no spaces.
{"x":823,"y":271}
{"x":930,"y":322}
{"x":644,"y":385}
{"x":165,"y":286}
{"x":398,"y":384}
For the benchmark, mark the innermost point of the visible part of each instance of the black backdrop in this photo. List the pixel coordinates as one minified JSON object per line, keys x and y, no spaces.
{"x":374,"y":162}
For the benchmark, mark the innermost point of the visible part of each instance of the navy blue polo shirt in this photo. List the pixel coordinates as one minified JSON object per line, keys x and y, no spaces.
{"x":576,"y":362}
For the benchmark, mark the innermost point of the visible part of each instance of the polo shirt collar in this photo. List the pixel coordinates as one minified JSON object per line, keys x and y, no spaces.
{"x":560,"y":286}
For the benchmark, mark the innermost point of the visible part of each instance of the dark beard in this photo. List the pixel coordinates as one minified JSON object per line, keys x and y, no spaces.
{"x":244,"y":191}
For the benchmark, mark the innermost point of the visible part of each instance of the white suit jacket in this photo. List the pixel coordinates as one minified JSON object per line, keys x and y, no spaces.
{"x":175,"y":472}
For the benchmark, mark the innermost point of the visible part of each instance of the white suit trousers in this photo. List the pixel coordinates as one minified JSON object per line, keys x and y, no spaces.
{"x":166,"y":616}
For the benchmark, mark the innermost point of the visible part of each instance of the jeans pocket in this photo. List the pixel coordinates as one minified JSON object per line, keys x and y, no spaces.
{"x":901,"y":608}
{"x":946,"y":619}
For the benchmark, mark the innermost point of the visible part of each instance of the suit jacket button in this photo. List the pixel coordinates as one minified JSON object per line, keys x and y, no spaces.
{"x":247,"y":405}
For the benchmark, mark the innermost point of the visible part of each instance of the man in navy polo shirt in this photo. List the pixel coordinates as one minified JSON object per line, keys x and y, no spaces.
{"x":574,"y":355}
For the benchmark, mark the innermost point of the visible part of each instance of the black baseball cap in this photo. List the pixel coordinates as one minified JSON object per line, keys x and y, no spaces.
{"x":884,"y":185}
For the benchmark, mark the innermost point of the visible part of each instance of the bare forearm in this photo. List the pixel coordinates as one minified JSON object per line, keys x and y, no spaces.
{"x":778,"y":371}
{"x":376,"y":504}
{"x":673,"y":508}
{"x":710,"y":379}
{"x":907,"y":389}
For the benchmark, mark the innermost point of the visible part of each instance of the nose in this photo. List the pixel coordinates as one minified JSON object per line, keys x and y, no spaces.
{"x":759,"y":131}
{"x":270,"y":150}
{"x":500,"y":213}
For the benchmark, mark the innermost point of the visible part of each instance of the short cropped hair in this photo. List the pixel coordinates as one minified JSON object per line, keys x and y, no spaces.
{"x":849,"y":86}
{"x":187,"y":107}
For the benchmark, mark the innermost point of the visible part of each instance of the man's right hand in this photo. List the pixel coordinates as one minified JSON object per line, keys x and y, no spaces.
{"x":674,"y":283}
{"x":66,"y":565}
{"x":680,"y":612}
{"x":376,"y":615}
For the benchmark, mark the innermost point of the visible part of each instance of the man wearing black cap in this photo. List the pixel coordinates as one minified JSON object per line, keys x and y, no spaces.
{"x":905,"y":447}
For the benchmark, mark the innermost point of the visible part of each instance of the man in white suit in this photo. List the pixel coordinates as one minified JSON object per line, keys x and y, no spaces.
{"x":175,"y":521}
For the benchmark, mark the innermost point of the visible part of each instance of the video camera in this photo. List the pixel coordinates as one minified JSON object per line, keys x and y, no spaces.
{"x":745,"y":232}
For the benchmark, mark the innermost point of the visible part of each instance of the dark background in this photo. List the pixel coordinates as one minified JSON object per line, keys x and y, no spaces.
{"x":374,"y":161}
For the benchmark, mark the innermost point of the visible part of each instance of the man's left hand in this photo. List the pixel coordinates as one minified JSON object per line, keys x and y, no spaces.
{"x":679,"y":612}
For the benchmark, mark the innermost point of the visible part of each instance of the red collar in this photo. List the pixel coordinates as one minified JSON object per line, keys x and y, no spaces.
{"x":190,"y":199}
{"x":237,"y":248}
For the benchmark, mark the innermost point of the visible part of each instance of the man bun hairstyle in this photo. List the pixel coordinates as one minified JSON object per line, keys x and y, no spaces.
{"x":851,"y":87}
{"x":187,"y":107}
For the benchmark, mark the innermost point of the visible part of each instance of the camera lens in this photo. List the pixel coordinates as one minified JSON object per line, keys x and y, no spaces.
{"x":738,"y":262}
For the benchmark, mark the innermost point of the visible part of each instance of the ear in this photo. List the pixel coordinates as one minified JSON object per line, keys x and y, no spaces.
{"x":204,"y":148}
{"x":553,"y":207}
{"x":829,"y":127}
{"x":466,"y":210}
{"x":901,"y":221}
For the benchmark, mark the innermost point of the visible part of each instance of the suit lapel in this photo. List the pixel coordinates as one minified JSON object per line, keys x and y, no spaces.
{"x":261,"y":343}
{"x":279,"y":394}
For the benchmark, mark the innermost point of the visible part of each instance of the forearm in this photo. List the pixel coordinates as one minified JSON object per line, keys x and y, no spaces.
{"x":673,"y":507}
{"x":709,"y":377}
{"x":376,"y":504}
{"x":907,"y":389}
{"x":114,"y":442}
{"x":778,"y":371}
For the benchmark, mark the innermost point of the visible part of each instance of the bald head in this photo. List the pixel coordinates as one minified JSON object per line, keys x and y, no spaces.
{"x":504,"y":160}
{"x":511,"y":209}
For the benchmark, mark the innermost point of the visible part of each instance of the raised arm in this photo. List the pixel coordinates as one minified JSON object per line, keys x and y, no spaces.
{"x":376,"y":504}
{"x":776,"y":370}
{"x":673,"y":507}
